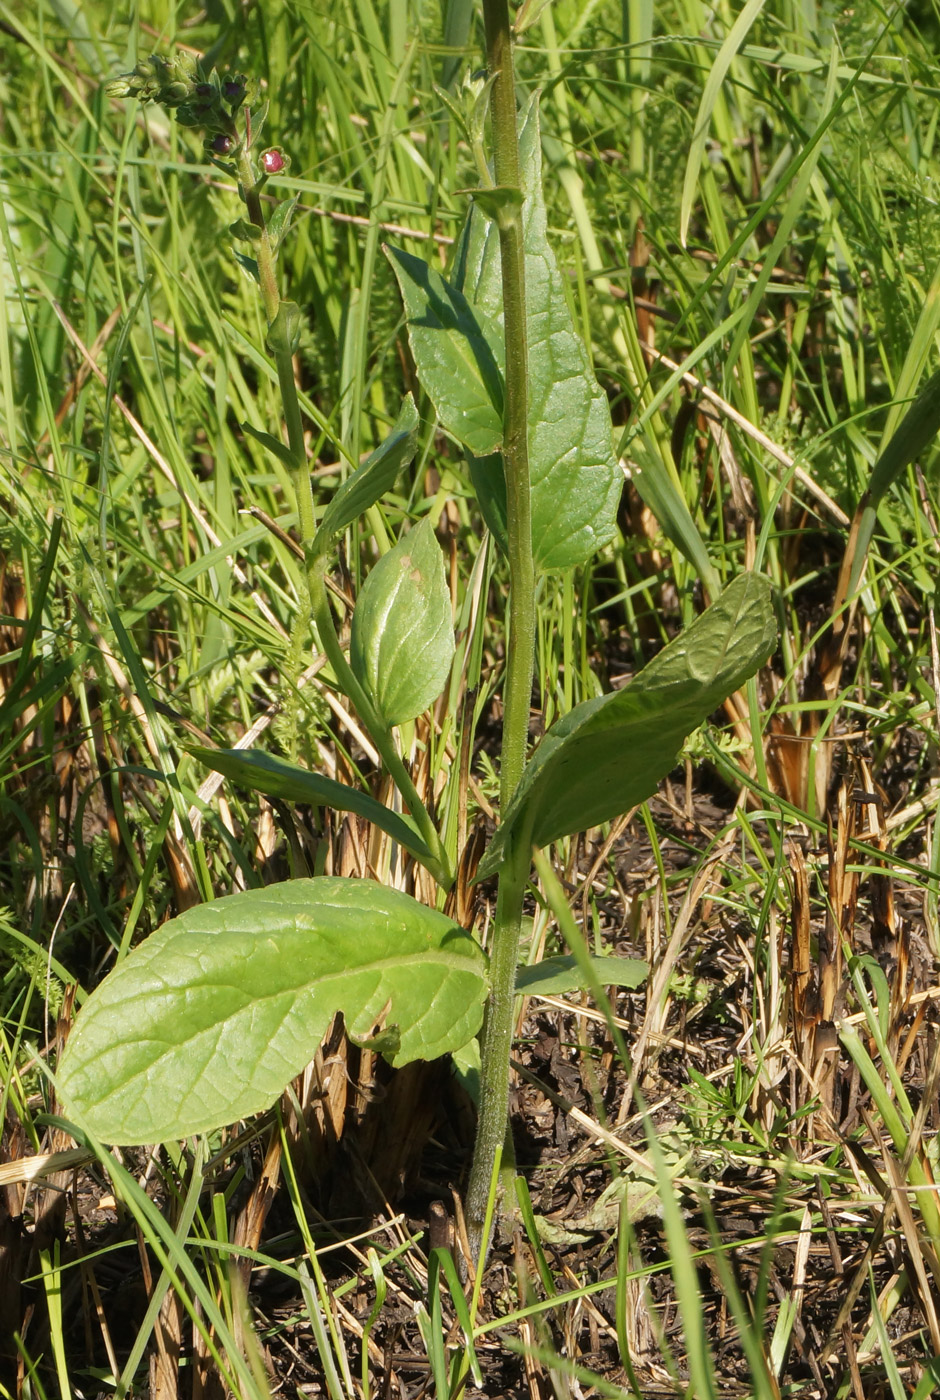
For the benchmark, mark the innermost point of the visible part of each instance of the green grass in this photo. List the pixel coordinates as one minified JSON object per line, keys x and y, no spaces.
{"x":787,"y":259}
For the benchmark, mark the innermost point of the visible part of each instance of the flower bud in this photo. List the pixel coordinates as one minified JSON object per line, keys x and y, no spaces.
{"x":273,"y":161}
{"x":187,"y":65}
{"x":233,"y":89}
{"x":221,"y":145}
{"x":118,"y":87}
{"x":153,"y":66}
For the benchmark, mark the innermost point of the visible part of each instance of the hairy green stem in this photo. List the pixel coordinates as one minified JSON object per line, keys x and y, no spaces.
{"x":520,"y":651}
{"x":520,"y":641}
{"x":267,"y":273}
{"x":279,"y":345}
{"x":496,"y":1044}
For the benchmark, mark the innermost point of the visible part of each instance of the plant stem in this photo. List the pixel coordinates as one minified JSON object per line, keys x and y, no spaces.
{"x":496,"y":1045}
{"x":520,"y":649}
{"x":520,"y":629}
{"x":279,"y":345}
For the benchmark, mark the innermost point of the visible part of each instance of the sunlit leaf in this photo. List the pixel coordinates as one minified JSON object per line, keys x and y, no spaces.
{"x":610,"y":753}
{"x":576,"y":479}
{"x":210,"y":1018}
{"x":277,"y":777}
{"x":402,"y":640}
{"x":377,"y":474}
{"x":458,"y":351}
{"x":555,"y":976}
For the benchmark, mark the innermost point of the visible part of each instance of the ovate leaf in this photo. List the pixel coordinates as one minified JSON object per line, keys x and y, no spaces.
{"x":555,"y":976}
{"x":276,"y":777}
{"x":372,"y":479}
{"x":611,"y":753}
{"x":575,"y":477}
{"x":458,"y":351}
{"x":210,"y":1018}
{"x":402,"y":641}
{"x":284,"y":331}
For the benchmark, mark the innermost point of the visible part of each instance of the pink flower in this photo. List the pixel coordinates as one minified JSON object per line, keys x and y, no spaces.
{"x":273,"y":162}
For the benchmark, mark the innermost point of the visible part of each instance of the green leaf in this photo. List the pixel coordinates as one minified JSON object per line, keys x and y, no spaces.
{"x":497,"y":201}
{"x":456,"y":112}
{"x":276,"y":777}
{"x":526,"y":15}
{"x":555,"y":976}
{"x":284,"y":330}
{"x":258,"y":120}
{"x":576,"y":479}
{"x":489,"y":483}
{"x":272,"y":445}
{"x":458,"y":352}
{"x":913,"y":435}
{"x":249,"y":264}
{"x":402,"y":640}
{"x":467,"y":1062}
{"x":210,"y":1018}
{"x":370,"y":481}
{"x":245,"y":231}
{"x":279,"y":221}
{"x":610,"y":753}
{"x":664,"y":497}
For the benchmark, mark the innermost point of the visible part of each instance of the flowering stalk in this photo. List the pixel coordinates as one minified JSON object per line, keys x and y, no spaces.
{"x":214,"y":102}
{"x":496,"y":1040}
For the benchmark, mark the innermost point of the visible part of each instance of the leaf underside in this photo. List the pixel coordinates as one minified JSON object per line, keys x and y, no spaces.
{"x":208,"y":1020}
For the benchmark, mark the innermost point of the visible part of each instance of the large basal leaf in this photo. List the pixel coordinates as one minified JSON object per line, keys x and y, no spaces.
{"x":402,"y":640}
{"x":372,"y":479}
{"x":458,"y":351}
{"x":277,"y":777}
{"x":576,"y":480}
{"x":210,"y":1018}
{"x":610,"y":753}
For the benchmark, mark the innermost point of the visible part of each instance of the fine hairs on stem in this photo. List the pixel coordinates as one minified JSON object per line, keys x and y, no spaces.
{"x":520,"y":623}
